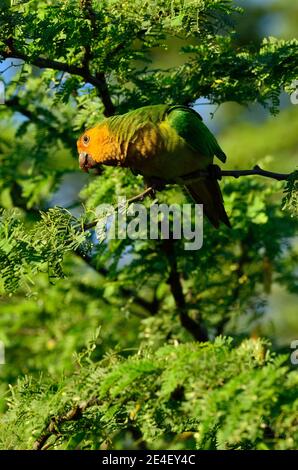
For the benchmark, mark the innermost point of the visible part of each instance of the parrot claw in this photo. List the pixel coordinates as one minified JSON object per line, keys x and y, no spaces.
{"x":214,"y":172}
{"x":156,"y":184}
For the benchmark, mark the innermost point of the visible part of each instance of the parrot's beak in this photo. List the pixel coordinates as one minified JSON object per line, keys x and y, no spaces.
{"x":86,"y":162}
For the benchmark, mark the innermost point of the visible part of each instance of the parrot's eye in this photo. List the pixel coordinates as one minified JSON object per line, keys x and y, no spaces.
{"x":86,"y":139}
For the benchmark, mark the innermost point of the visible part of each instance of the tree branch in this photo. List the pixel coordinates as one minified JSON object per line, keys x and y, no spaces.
{"x":100,"y":78}
{"x":256,"y":171}
{"x":102,"y":86}
{"x":98,"y":81}
{"x":196,"y":329}
{"x":53,"y":426}
{"x":44,"y":63}
{"x":138,"y":197}
{"x":86,"y":6}
{"x":214,"y":171}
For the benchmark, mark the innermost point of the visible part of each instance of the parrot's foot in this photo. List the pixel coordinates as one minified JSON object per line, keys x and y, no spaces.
{"x":152,"y":193}
{"x":212,"y":171}
{"x":156,"y":184}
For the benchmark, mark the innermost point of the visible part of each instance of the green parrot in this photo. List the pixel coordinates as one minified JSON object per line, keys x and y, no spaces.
{"x":162,"y":143}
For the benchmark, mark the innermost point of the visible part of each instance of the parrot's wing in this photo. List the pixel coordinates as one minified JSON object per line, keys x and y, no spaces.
{"x":189,"y":125}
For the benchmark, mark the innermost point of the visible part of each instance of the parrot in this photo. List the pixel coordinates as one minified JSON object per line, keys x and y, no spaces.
{"x":162,"y":143}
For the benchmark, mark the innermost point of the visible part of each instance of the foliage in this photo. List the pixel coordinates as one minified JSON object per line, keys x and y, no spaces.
{"x":290,"y":200}
{"x":90,"y":44}
{"x":24,"y":252}
{"x":208,"y":396}
{"x":139,"y":305}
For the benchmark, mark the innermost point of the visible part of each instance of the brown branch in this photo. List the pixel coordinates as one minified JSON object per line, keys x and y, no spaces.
{"x":100,"y":78}
{"x":256,"y":171}
{"x":86,"y":6}
{"x":214,"y":171}
{"x":196,"y":329}
{"x":44,"y":63}
{"x":174,"y":280}
{"x":102,"y":86}
{"x":138,"y":197}
{"x":98,"y":81}
{"x":53,"y":427}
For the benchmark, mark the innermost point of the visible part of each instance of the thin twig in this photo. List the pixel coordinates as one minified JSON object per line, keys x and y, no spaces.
{"x":197,"y":330}
{"x":53,"y":427}
{"x":256,"y":171}
{"x":9,"y":67}
{"x":138,"y":197}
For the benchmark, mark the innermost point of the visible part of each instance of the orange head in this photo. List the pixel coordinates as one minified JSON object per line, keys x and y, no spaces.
{"x":88,"y":149}
{"x":99,"y":145}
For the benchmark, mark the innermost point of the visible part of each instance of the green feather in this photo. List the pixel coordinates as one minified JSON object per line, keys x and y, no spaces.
{"x":126,"y":125}
{"x":189,"y":125}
